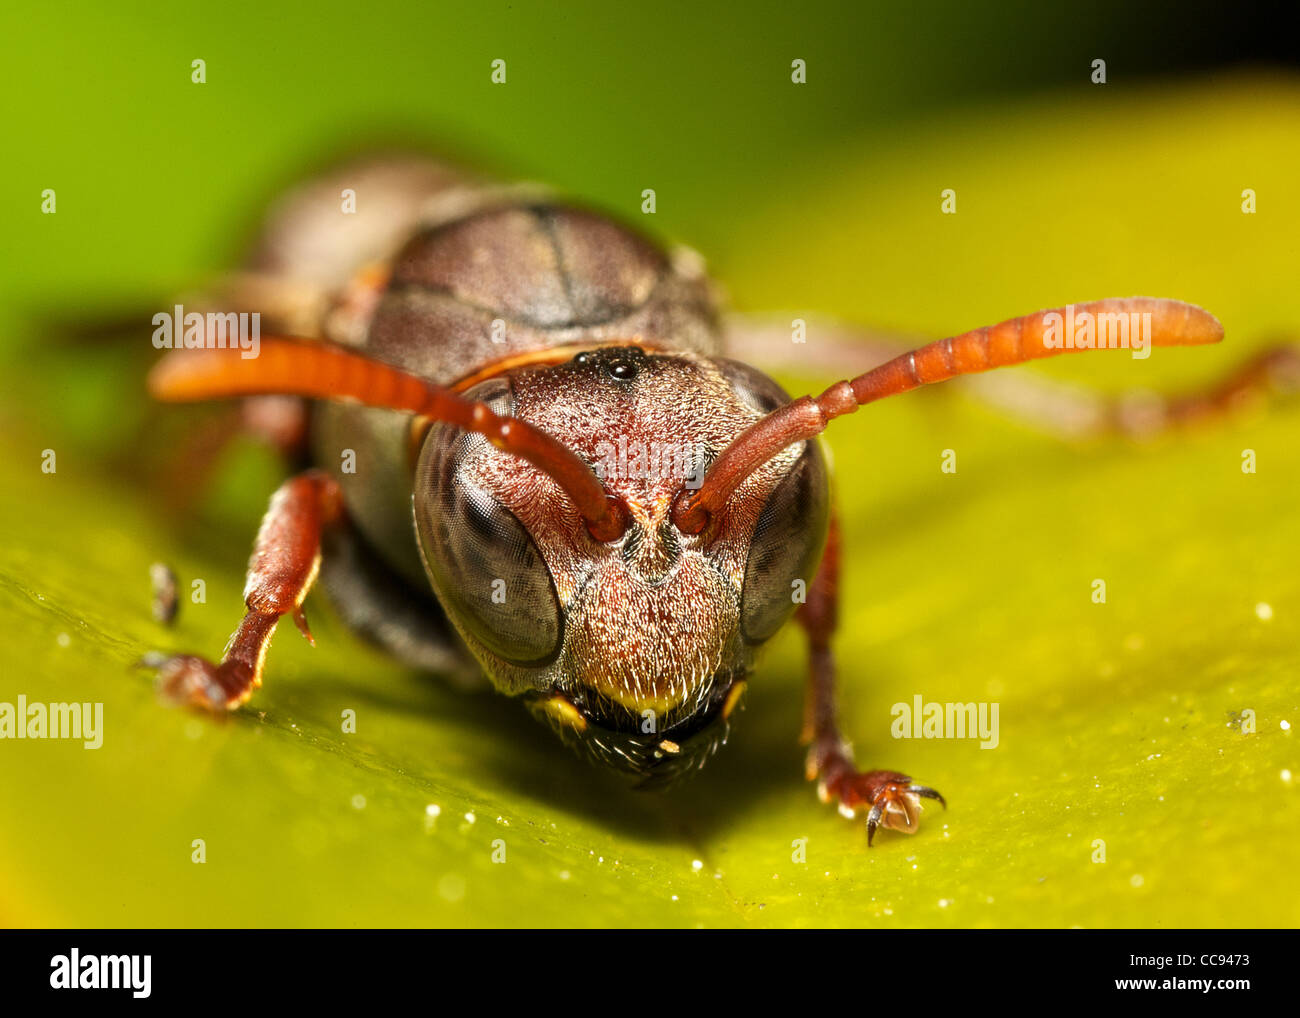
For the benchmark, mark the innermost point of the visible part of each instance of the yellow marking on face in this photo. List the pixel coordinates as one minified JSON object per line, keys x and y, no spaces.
{"x":637,"y":703}
{"x":563,"y":711}
{"x":733,"y":698}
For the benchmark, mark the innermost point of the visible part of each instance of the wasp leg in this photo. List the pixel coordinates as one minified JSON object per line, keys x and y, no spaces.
{"x":277,"y":421}
{"x":1073,"y":412}
{"x":890,"y":799}
{"x":286,"y":558}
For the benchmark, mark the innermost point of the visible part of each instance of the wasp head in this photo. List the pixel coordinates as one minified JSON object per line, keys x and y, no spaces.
{"x":636,"y":649}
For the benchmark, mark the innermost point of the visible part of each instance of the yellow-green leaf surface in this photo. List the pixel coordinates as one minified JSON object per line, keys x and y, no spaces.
{"x":1156,"y":731}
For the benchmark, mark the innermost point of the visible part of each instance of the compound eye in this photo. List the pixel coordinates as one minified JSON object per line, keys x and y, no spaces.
{"x":790,"y":533}
{"x":752,"y":386}
{"x":786,"y":547}
{"x":484,"y":565}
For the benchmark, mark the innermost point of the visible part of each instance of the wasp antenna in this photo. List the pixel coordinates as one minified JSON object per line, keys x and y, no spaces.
{"x":1102,"y":324}
{"x":289,"y":366}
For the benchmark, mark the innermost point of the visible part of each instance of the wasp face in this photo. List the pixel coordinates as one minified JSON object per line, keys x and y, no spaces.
{"x":636,"y":650}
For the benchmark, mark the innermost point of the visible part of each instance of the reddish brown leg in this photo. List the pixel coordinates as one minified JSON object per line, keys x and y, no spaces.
{"x":1271,"y":373}
{"x":285,"y":561}
{"x":186,"y":470}
{"x":1073,"y":412}
{"x":890,"y":798}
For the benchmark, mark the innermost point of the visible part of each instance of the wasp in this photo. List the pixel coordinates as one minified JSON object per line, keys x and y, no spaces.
{"x":458,"y":360}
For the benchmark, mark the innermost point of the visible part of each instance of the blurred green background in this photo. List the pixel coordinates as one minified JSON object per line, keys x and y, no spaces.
{"x":814,"y":199}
